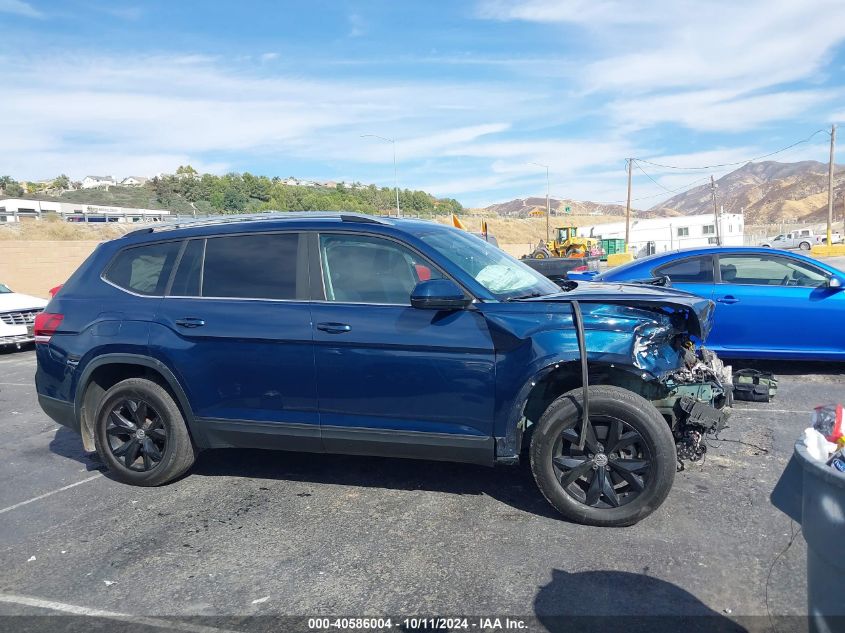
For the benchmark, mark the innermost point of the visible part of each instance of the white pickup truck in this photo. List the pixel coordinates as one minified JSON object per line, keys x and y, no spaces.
{"x":801,"y":238}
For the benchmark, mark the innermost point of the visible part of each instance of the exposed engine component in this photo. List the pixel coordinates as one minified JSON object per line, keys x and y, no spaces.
{"x":701,"y":416}
{"x":699,"y":394}
{"x":689,"y":446}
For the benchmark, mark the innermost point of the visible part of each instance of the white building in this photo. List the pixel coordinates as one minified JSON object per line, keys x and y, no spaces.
{"x":657,"y":235}
{"x":133,"y":181}
{"x":93,"y":182}
{"x":19,"y":209}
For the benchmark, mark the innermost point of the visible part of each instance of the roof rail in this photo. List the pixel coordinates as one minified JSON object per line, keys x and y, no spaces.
{"x":258,"y":217}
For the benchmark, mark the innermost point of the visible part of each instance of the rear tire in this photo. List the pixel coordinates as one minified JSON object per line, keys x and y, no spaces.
{"x":804,"y":246}
{"x":610,"y":486}
{"x":140,"y":434}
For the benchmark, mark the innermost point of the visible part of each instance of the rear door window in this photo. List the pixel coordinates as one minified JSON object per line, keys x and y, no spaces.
{"x":695,"y":270}
{"x":144,"y":270}
{"x":187,"y":279}
{"x":261,"y":266}
{"x":769,"y":270}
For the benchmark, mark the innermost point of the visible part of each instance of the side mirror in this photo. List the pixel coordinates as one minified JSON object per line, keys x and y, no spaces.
{"x":439,"y":294}
{"x":834,"y":282}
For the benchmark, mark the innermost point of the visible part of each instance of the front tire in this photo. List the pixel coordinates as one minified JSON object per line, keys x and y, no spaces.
{"x":626,"y":469}
{"x":804,"y":246}
{"x":140,"y":434}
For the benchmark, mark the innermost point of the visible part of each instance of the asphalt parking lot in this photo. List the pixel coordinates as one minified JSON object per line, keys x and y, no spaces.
{"x":252,"y":532}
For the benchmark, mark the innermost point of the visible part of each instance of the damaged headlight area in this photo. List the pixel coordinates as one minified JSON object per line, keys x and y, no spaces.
{"x":686,"y":382}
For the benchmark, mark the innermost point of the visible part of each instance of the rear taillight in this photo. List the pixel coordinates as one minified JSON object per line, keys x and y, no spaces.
{"x":53,"y":291}
{"x":580,"y":269}
{"x":46,"y":325}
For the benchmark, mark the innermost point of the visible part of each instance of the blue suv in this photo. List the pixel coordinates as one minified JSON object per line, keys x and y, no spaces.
{"x":346,"y":333}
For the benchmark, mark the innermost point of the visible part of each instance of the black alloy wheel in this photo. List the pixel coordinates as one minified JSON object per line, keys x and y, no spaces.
{"x":612,"y":470}
{"x":136,"y":434}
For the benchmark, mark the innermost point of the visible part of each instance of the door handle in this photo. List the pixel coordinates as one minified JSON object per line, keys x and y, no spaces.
{"x":728,"y":299}
{"x":334,"y":328}
{"x":190,"y":322}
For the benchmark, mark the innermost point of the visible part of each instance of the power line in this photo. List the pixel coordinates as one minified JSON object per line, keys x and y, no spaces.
{"x":654,"y":195}
{"x":742,"y":162}
{"x":636,"y":164}
{"x":698,"y":180}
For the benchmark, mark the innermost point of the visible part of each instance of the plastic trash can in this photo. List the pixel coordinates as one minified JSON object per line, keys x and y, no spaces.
{"x":823,"y":523}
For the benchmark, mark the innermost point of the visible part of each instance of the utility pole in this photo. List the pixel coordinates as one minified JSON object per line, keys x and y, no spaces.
{"x":830,"y":186}
{"x":396,"y":181}
{"x":628,"y":209}
{"x":548,"y":200}
{"x":715,"y":211}
{"x":395,"y":176}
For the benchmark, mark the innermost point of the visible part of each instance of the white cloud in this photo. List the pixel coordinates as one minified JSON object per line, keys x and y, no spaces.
{"x":188,"y":107}
{"x":716,"y":110}
{"x":19,"y":7}
{"x":572,"y":11}
{"x":708,"y":66}
{"x":357,"y":25}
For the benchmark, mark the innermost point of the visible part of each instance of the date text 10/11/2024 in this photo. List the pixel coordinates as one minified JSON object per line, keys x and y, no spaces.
{"x":415,"y":624}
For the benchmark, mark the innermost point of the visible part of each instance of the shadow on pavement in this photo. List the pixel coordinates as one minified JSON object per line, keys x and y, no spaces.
{"x":607,"y":601}
{"x":513,"y":486}
{"x":9,"y":350}
{"x":68,"y":444}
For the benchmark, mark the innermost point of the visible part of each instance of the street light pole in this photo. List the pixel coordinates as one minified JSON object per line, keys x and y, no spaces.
{"x":548,"y":200}
{"x":395,"y":172}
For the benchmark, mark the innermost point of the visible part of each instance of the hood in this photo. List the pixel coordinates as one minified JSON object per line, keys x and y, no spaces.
{"x":699,"y":311}
{"x":11,"y":301}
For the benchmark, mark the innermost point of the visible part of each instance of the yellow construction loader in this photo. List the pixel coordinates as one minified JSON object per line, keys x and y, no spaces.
{"x":567,"y":243}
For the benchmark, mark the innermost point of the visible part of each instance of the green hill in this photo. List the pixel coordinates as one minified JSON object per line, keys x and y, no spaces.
{"x":187,"y":191}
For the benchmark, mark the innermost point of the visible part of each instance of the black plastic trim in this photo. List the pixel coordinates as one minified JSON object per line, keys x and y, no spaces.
{"x":286,"y":436}
{"x":60,"y":411}
{"x":474,"y":449}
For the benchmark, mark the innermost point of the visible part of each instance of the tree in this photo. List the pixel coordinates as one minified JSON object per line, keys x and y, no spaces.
{"x":62,"y":182}
{"x":14,"y":189}
{"x":186,"y":170}
{"x":234,"y":200}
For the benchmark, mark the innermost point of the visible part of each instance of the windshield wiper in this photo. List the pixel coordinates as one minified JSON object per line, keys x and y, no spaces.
{"x":530,"y":295}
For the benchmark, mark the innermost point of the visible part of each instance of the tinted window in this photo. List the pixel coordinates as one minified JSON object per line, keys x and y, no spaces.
{"x":144,"y":269}
{"x":359,"y":269}
{"x":696,"y":270}
{"x":186,"y":281}
{"x":251,"y":266}
{"x":769,"y":270}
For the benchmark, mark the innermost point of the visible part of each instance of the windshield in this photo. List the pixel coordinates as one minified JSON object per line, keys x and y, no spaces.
{"x":4,"y":289}
{"x":501,"y":274}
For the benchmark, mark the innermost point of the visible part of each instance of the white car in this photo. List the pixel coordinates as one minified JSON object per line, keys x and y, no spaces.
{"x":17,"y":315}
{"x":803,"y":239}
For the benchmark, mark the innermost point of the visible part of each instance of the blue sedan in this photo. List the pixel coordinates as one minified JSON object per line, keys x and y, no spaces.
{"x":769,"y":303}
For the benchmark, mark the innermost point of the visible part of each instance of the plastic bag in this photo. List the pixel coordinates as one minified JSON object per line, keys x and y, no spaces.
{"x":828,"y":420}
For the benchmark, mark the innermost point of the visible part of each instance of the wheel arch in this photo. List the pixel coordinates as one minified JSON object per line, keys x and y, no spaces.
{"x":106,"y":371}
{"x":548,"y":384}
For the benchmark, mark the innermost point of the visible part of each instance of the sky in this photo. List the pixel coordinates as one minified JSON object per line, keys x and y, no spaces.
{"x":478,"y":95}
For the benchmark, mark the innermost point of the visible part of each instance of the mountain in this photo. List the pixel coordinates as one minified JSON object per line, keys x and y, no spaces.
{"x":766,"y":192}
{"x":521,"y":207}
